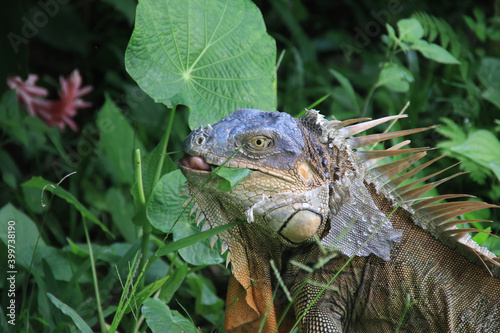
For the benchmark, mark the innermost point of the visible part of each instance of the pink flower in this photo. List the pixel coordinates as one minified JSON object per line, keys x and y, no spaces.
{"x":53,"y":113}
{"x":28,"y":92}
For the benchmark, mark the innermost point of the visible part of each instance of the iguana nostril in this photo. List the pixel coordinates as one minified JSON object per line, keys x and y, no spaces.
{"x":200,"y":140}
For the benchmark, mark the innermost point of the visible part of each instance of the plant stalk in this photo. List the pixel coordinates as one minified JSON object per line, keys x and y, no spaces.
{"x":102,"y":323}
{"x":164,"y":143}
{"x":146,"y":226}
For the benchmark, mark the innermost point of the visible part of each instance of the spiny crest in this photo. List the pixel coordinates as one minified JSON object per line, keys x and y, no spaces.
{"x":200,"y":217}
{"x":315,"y":122}
{"x":439,"y":218}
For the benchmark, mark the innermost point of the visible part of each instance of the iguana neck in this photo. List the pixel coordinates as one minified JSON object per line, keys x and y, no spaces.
{"x":251,"y":297}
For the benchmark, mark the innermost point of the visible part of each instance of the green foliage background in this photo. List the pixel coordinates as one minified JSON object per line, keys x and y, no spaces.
{"x":78,"y":258}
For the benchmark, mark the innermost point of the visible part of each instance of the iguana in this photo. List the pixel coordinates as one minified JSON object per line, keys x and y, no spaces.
{"x":354,"y":247}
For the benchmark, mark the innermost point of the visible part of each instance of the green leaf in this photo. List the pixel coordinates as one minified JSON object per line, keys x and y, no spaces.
{"x":481,"y":214}
{"x":395,"y":77}
{"x":453,"y":132}
{"x":60,"y":264}
{"x":470,"y":22}
{"x":489,"y":75}
{"x":12,"y":121}
{"x":207,"y":303}
{"x":193,"y":239}
{"x":77,"y":250}
{"x":164,"y":207}
{"x":67,"y":310}
{"x":213,"y":56}
{"x":172,"y":285}
{"x":435,"y":27}
{"x":24,"y":234}
{"x":434,"y":52}
{"x":458,"y":138}
{"x":231,"y":177}
{"x":161,"y":319}
{"x":493,"y":244}
{"x":492,"y":95}
{"x":387,"y":41}
{"x":118,"y":140}
{"x":121,"y":208}
{"x":166,"y":212}
{"x":139,"y":298}
{"x":480,"y":28}
{"x":481,"y":237}
{"x":10,"y":172}
{"x":483,"y":148}
{"x":410,"y":30}
{"x":40,"y":183}
{"x":391,"y":32}
{"x":489,"y":71}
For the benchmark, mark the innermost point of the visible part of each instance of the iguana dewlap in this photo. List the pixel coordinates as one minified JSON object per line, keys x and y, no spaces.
{"x":354,"y":249}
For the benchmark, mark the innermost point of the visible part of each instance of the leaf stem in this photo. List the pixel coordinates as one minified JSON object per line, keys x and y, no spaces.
{"x":138,"y":172}
{"x":164,"y":144}
{"x":370,"y":94}
{"x":146,"y":226}
{"x":94,"y":278}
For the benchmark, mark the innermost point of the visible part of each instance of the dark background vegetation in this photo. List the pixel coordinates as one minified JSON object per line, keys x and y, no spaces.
{"x":92,"y":36}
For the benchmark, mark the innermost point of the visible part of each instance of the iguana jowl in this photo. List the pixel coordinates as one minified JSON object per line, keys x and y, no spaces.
{"x":400,"y":259}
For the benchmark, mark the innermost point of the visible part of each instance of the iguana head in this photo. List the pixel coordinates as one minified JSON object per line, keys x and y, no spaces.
{"x":286,"y":195}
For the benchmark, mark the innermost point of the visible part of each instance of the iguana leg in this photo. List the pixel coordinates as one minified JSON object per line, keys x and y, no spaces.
{"x":320,"y":317}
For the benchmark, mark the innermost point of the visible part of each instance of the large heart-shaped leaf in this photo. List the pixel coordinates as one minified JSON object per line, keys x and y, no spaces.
{"x":212,"y":55}
{"x":166,"y":212}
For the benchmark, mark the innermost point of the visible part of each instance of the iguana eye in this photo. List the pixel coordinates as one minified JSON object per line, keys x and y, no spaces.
{"x":259,"y":142}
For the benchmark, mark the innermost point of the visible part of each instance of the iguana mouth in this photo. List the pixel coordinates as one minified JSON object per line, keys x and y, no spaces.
{"x":200,"y":164}
{"x":197,"y":163}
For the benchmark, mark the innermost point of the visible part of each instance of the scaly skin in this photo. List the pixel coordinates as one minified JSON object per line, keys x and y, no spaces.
{"x":310,"y":198}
